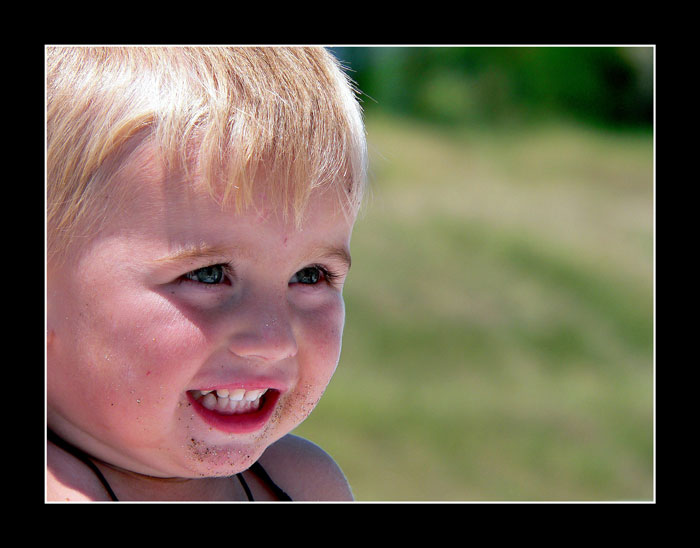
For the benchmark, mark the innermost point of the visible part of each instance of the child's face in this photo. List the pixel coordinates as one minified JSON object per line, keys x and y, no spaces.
{"x":134,"y":329}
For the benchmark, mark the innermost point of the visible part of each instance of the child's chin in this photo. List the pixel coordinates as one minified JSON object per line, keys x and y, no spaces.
{"x":221,"y":460}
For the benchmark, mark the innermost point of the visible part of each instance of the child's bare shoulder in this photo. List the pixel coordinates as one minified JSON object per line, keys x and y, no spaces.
{"x":305,"y":471}
{"x":68,"y":479}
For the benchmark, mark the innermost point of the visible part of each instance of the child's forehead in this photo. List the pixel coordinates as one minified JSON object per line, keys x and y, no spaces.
{"x":148,"y":182}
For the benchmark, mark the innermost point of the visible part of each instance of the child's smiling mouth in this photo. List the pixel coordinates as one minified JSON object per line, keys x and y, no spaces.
{"x":237,"y":410}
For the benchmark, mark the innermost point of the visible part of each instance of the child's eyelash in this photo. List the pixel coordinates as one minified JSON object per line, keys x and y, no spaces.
{"x":327,"y":273}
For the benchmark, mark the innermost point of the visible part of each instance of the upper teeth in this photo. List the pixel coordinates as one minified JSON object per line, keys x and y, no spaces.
{"x":236,"y":395}
{"x":228,"y":400}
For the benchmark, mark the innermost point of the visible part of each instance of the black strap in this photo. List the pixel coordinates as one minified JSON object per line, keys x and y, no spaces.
{"x":260,"y":472}
{"x":83,"y":457}
{"x":245,"y":487}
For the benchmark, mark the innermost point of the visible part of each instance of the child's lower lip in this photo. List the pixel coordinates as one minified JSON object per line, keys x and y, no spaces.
{"x":243,"y":423}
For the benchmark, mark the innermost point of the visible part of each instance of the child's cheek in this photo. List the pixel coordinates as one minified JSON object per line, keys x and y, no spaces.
{"x":322,"y":335}
{"x":169,"y":338}
{"x":319,"y":342}
{"x":154,"y":349}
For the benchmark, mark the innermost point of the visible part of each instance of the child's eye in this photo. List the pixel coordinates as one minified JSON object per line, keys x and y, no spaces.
{"x":209,"y":275}
{"x":310,"y":275}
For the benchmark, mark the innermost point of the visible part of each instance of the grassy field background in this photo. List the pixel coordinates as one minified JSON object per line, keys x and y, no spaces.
{"x":499,"y":335}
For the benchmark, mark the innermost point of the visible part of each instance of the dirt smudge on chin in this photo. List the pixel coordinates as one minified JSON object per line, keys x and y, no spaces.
{"x":219,"y":461}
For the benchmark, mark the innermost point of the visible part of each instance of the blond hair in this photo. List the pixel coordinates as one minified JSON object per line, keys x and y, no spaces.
{"x":290,"y":111}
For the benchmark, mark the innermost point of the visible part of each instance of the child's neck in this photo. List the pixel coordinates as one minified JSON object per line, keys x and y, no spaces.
{"x":132,"y":486}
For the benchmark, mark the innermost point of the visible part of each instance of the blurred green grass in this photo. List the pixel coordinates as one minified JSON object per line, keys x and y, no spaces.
{"x":499,"y":333}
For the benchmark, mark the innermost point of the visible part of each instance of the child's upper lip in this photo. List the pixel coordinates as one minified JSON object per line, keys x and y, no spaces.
{"x":248,"y":384}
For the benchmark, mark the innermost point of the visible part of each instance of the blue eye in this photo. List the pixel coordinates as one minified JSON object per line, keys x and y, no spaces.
{"x":208,"y":275}
{"x":310,"y":275}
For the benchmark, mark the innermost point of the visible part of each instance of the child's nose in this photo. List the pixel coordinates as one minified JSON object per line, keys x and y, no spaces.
{"x":262,"y":330}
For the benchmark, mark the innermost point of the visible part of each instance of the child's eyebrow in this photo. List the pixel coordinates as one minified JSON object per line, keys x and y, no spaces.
{"x":199,"y":252}
{"x":193,"y":253}
{"x":337,"y":253}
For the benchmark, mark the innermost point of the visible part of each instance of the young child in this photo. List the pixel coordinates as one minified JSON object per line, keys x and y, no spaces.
{"x":200,"y":203}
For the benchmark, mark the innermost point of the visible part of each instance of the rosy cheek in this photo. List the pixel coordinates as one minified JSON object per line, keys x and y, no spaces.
{"x":153,"y":345}
{"x":323,"y":334}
